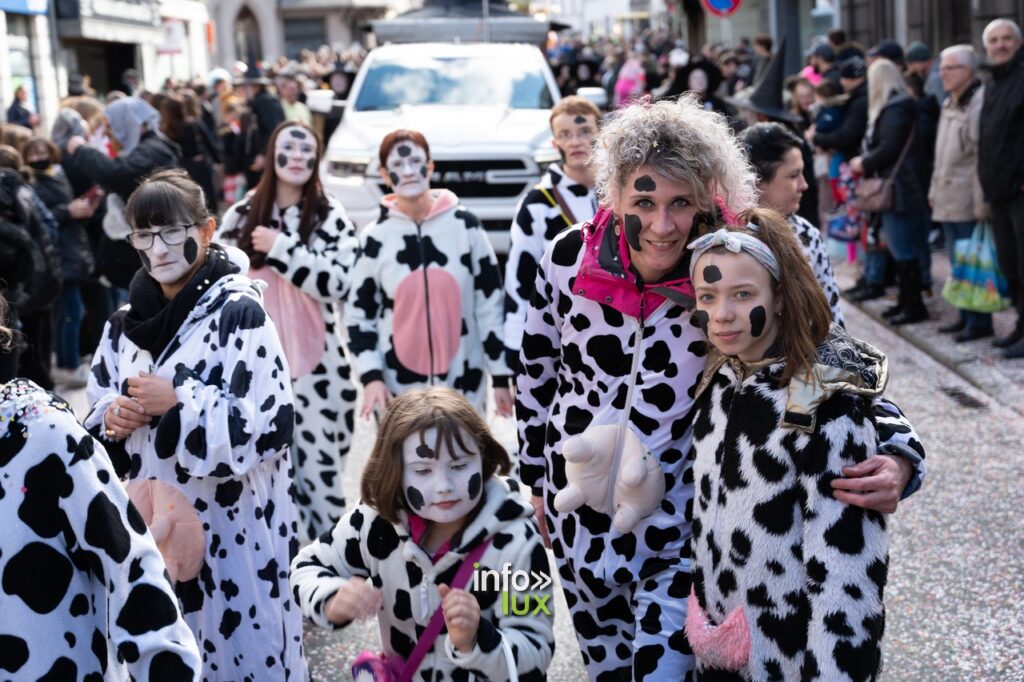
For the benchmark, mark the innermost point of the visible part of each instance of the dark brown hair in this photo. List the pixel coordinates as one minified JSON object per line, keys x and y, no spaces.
{"x":52,"y":151}
{"x":168,"y":196}
{"x":401,"y":135}
{"x":574,"y":104}
{"x":261,"y":207}
{"x":172,"y":117}
{"x":806,"y":315}
{"x":414,"y":413}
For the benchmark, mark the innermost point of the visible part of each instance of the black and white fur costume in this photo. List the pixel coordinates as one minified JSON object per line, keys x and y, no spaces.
{"x":585,"y":363}
{"x":806,"y":570}
{"x":366,"y":545}
{"x":69,"y":532}
{"x":325,"y":397}
{"x":816,"y":252}
{"x":536,"y":224}
{"x":224,"y":446}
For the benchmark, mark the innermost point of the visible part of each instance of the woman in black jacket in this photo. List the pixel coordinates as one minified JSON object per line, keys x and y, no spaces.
{"x":16,"y":264}
{"x":76,"y":259}
{"x":888,"y":151}
{"x":198,"y":151}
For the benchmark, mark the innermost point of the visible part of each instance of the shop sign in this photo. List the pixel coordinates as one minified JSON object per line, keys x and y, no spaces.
{"x":174,"y":37}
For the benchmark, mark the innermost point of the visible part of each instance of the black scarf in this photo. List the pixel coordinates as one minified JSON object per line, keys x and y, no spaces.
{"x":153,"y":321}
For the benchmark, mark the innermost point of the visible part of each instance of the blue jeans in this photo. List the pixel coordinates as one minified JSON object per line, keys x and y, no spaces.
{"x":907,"y":237}
{"x":70,"y":311}
{"x":953,"y":233}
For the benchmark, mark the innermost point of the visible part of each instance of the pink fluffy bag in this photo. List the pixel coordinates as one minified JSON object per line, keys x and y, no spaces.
{"x":725,"y":646}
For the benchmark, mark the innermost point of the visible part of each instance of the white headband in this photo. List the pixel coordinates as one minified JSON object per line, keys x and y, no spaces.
{"x":735,"y":242}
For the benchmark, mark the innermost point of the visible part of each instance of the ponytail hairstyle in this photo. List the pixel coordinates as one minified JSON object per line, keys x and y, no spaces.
{"x":806,"y":316}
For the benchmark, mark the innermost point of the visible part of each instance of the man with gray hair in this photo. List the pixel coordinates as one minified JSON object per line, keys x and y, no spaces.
{"x":1001,"y":163}
{"x":955,"y":194}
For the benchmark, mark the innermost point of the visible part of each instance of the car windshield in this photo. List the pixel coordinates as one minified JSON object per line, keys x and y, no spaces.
{"x":455,"y":80}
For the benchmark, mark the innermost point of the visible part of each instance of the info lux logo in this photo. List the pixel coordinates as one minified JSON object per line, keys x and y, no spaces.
{"x":519,"y":589}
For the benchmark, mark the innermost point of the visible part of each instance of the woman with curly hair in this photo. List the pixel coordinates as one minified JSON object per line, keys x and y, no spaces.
{"x":612,"y":355}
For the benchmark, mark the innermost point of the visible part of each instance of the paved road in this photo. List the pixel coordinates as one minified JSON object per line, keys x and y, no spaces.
{"x":956,"y":581}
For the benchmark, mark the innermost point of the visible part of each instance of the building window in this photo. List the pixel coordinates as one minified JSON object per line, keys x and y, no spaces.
{"x":303,"y":34}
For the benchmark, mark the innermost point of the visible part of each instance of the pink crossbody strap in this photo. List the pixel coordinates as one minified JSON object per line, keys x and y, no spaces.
{"x":460,"y":580}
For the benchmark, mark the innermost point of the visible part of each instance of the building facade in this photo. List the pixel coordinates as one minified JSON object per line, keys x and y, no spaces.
{"x":26,"y":46}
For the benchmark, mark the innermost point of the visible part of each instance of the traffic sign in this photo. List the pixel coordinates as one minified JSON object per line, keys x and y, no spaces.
{"x":722,"y":8}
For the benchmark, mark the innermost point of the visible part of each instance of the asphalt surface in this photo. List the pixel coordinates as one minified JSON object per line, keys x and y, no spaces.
{"x":956,"y":581}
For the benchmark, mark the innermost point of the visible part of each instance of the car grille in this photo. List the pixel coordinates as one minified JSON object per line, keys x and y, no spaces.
{"x":468,"y":179}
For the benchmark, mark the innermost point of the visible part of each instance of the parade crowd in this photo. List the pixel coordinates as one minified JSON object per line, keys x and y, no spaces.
{"x":706,"y":451}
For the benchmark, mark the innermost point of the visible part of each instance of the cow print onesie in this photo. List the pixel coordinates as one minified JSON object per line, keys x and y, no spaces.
{"x":586,"y":363}
{"x":324,"y":393}
{"x":816,"y":252}
{"x":224,"y":446}
{"x":426,"y":302}
{"x":83,"y":589}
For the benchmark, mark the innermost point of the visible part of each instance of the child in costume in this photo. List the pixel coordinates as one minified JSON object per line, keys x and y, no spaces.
{"x":787,"y":580}
{"x":431,"y":498}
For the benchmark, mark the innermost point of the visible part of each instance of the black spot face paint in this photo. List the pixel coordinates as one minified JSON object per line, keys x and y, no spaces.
{"x":700,"y":319}
{"x":712,"y":274}
{"x":424,"y":451}
{"x":423,"y":170}
{"x":474,"y":486}
{"x":645,"y":183}
{"x":580,"y":119}
{"x":282,"y":161}
{"x":298,"y":133}
{"x":191,"y":250}
{"x":757,"y":319}
{"x":415,"y":498}
{"x":403,"y":150}
{"x":145,"y":260}
{"x":394,"y":178}
{"x":310,"y":164}
{"x":633,"y":228}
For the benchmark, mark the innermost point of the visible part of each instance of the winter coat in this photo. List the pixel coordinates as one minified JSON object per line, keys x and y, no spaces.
{"x":884,"y":143}
{"x":76,"y":257}
{"x":198,"y":154}
{"x":225,"y":447}
{"x":426,"y":303}
{"x":600,"y":348}
{"x":538,"y":221}
{"x":955,"y":193}
{"x":20,"y":207}
{"x":1001,"y":142}
{"x":366,"y":545}
{"x":19,"y":114}
{"x":265,"y":114}
{"x":122,"y":174}
{"x":83,"y":580}
{"x":848,"y":137}
{"x":806,"y":570}
{"x":17,"y":250}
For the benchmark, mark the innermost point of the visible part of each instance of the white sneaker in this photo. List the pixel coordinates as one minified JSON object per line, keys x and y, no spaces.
{"x":71,"y":378}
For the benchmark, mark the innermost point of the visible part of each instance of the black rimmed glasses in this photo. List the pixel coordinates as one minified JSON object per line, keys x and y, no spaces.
{"x":171,"y":236}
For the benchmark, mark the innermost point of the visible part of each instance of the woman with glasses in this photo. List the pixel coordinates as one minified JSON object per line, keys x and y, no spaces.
{"x":302,"y":244}
{"x":191,"y":397}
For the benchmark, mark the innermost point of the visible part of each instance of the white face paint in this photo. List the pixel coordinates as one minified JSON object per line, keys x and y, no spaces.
{"x":437,"y":486}
{"x":170,"y":264}
{"x":294,"y":155}
{"x":407,"y":169}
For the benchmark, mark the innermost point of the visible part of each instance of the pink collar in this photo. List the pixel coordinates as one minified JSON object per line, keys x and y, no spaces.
{"x":604,"y":274}
{"x":418,"y":528}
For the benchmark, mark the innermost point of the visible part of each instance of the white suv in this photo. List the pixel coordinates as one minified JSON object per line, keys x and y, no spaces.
{"x":483,"y":108}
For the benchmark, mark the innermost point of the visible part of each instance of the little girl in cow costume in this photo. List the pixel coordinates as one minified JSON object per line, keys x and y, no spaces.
{"x":434,"y":510}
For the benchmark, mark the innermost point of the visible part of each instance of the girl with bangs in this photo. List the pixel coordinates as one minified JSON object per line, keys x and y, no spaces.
{"x":301,"y":243}
{"x":191,"y":398}
{"x":434,"y":507}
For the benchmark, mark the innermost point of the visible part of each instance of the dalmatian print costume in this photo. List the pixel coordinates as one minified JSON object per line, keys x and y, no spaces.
{"x":536,"y":224}
{"x":69,"y":532}
{"x":816,"y":252}
{"x":224,"y":446}
{"x":366,"y":545}
{"x":324,"y":393}
{"x":426,"y":302}
{"x":806,"y":570}
{"x":632,"y":358}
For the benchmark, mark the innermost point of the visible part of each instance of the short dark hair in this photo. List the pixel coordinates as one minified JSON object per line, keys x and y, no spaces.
{"x":837,"y":37}
{"x":166,"y":196}
{"x":766,"y":144}
{"x":764,"y":40}
{"x":52,"y":150}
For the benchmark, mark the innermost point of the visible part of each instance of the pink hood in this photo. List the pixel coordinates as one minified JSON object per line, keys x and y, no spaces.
{"x":605,"y":276}
{"x":444,"y":200}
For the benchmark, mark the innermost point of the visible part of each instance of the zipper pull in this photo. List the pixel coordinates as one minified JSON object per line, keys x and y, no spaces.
{"x":424,"y":601}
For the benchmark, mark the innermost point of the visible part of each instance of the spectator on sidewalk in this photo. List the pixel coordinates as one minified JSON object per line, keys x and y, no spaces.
{"x":289,"y":89}
{"x":1001,"y":163}
{"x":264,"y":114}
{"x":18,"y":113}
{"x":955,"y":193}
{"x":847,"y":137}
{"x":923,"y":73}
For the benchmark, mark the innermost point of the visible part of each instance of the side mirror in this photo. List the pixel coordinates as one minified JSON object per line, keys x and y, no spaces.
{"x":596,"y":96}
{"x":323,"y":102}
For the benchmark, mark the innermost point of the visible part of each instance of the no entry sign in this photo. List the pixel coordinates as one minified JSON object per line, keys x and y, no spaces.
{"x":722,"y":8}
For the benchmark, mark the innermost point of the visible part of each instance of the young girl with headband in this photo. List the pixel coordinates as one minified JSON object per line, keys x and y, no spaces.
{"x":786,"y":579}
{"x":436,"y":528}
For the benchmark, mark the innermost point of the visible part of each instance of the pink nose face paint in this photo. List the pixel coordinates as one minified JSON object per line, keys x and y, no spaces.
{"x":407,"y":169}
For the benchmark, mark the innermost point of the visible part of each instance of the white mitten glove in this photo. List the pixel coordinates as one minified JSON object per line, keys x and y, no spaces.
{"x":589,"y":459}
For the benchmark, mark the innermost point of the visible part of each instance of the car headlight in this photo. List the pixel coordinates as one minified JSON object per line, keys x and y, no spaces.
{"x":545,"y":156}
{"x":348,"y":166}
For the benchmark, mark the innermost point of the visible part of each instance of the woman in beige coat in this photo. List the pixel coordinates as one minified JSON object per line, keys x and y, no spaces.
{"x":955,"y":193}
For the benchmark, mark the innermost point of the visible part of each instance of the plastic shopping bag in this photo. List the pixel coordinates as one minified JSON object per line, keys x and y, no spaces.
{"x":976,"y":284}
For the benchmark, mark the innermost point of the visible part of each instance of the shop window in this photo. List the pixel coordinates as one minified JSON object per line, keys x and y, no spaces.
{"x":303,"y":34}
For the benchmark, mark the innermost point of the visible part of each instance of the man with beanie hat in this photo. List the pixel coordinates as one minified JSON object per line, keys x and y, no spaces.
{"x":923,"y":72}
{"x":887,"y":49}
{"x":1001,"y":163}
{"x":847,"y":138}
